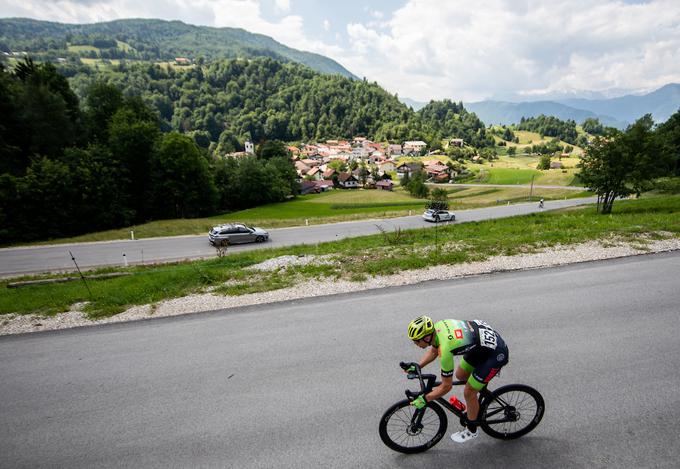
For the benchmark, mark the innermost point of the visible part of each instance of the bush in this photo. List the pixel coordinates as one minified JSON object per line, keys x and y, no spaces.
{"x":667,"y":185}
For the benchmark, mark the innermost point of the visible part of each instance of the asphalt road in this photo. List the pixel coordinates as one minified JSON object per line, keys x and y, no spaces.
{"x":304,"y":383}
{"x":27,"y":260}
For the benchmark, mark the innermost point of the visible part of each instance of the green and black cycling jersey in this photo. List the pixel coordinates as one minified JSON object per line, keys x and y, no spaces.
{"x":484,"y":351}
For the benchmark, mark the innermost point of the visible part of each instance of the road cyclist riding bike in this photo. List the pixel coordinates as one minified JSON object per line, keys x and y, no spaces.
{"x":417,"y":423}
{"x":484,"y":354}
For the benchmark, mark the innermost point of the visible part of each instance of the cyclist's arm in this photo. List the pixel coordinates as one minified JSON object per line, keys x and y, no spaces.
{"x":430,"y":355}
{"x":441,"y":390}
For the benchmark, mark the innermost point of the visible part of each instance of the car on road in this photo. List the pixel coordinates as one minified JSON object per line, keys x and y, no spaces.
{"x":438,"y":215}
{"x":236,"y":233}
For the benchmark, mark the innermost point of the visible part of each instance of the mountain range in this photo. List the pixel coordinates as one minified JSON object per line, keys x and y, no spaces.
{"x":150,"y":39}
{"x":616,"y":112}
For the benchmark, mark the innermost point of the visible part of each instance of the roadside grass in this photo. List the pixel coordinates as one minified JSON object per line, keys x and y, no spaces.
{"x":329,"y":207}
{"x":354,"y":258}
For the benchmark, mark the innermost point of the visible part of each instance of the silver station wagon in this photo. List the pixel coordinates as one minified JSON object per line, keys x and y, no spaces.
{"x":236,"y":233}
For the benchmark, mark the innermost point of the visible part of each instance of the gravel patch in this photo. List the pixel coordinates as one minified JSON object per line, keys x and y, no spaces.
{"x":560,"y":255}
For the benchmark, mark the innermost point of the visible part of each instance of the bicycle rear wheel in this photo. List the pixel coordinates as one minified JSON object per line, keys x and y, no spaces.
{"x":399,"y":432}
{"x":511,"y":411}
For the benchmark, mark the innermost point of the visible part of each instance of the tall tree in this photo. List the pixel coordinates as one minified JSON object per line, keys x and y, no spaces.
{"x":620,"y":163}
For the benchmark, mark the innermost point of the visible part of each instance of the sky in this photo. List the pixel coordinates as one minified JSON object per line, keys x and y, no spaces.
{"x":437,"y":49}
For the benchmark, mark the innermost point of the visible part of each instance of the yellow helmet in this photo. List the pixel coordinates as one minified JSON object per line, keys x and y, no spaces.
{"x":420,"y":327}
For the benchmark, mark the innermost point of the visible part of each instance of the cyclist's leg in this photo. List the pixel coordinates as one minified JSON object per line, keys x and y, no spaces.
{"x":496,"y":359}
{"x":468,"y":364}
{"x":464,"y":369}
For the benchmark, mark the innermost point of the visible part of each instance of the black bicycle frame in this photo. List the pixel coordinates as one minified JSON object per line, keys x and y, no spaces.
{"x":429,"y":381}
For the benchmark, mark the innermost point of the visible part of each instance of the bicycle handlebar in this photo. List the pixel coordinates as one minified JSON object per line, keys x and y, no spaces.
{"x":431,"y":379}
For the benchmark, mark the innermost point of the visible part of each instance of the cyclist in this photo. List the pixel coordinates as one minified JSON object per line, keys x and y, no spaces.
{"x":483,"y":352}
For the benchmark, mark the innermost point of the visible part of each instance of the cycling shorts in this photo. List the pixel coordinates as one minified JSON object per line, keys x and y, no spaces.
{"x":484,"y":363}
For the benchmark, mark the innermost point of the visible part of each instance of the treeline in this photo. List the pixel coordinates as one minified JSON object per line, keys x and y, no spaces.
{"x":224,"y":103}
{"x":549,"y":126}
{"x":67,"y":169}
{"x":450,"y":119}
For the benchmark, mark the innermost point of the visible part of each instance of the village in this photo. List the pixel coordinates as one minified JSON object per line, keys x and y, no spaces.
{"x":361,"y":163}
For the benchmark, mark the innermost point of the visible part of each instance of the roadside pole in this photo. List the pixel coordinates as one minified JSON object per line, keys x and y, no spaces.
{"x":531,"y":191}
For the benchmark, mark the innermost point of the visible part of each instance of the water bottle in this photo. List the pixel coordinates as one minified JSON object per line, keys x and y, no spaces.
{"x":457,"y":404}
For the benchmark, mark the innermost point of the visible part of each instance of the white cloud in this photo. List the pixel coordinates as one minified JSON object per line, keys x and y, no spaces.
{"x":282,"y":6}
{"x":455,"y":49}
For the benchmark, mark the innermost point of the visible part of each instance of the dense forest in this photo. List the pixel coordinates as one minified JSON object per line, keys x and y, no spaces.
{"x":549,"y":126}
{"x":451,"y":119}
{"x":148,"y":40}
{"x":229,"y":101}
{"x":67,"y":168}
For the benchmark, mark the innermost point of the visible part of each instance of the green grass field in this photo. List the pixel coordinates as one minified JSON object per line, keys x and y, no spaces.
{"x":355,"y":258}
{"x":329,"y":207}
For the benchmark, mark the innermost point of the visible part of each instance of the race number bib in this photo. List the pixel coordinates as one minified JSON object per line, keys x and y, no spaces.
{"x":487,"y":337}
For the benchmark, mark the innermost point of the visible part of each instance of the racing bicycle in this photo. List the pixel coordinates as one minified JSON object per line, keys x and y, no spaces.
{"x":507,"y":413}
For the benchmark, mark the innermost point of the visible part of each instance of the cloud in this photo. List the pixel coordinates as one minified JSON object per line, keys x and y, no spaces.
{"x":433,"y":49}
{"x":429,"y":49}
{"x":282,"y":6}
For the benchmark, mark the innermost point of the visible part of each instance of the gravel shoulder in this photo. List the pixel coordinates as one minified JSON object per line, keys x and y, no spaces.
{"x":555,"y":256}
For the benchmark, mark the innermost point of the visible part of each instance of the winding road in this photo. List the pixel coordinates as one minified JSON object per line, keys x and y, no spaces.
{"x":28,"y":260}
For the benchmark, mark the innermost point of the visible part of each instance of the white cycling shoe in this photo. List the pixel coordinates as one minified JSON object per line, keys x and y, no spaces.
{"x":464,"y":436}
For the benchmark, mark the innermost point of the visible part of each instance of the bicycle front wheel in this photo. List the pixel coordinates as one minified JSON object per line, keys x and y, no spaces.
{"x":511,"y":411}
{"x":400,"y":430}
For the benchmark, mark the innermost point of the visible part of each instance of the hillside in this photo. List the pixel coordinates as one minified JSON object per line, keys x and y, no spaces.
{"x":150,"y":40}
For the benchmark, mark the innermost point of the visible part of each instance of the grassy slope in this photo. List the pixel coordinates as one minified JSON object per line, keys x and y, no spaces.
{"x":369,"y":255}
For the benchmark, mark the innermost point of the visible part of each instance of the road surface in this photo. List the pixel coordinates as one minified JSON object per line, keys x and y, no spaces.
{"x":303,"y":384}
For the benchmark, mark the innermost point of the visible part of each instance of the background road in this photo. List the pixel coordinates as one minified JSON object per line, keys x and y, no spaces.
{"x":304,"y":383}
{"x":16,"y":261}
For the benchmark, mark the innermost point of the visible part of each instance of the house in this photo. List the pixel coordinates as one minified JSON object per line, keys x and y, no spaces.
{"x":315,"y":173}
{"x":376,"y":156}
{"x":182,"y":61}
{"x":328,"y":174}
{"x":301,"y":168}
{"x":414,"y":146}
{"x":308,"y":187}
{"x":556,"y":165}
{"x":324,"y":185}
{"x":250,"y":148}
{"x":441,"y":177}
{"x":386,"y":166}
{"x":394,"y":149}
{"x":404,"y":168}
{"x":456,"y":142}
{"x":348,"y":181}
{"x":295,"y":151}
{"x":385,"y":185}
{"x":359,"y":153}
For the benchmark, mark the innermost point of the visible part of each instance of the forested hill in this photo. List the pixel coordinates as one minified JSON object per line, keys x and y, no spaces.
{"x":149,"y":39}
{"x":230,"y":101}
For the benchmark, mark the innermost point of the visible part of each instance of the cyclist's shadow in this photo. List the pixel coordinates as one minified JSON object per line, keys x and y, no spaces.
{"x":528,"y":451}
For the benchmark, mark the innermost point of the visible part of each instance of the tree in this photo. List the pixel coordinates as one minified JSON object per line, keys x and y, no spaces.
{"x":544,"y":162}
{"x":512,"y":151}
{"x":416,"y":186}
{"x":668,"y":135}
{"x":271,"y":149}
{"x":620,"y":163}
{"x":181,"y":183}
